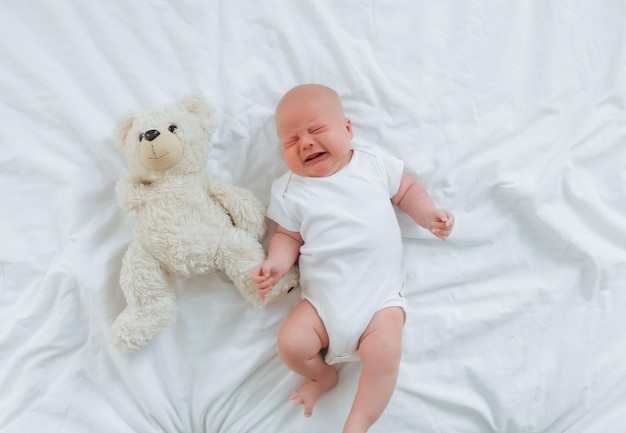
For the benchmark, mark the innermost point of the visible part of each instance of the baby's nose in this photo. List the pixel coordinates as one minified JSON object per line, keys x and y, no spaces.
{"x":306,"y":142}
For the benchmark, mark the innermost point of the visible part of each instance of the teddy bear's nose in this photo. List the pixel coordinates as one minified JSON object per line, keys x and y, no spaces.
{"x":151,"y":135}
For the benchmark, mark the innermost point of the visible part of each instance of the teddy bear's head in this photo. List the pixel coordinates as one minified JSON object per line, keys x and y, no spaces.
{"x":171,"y":139}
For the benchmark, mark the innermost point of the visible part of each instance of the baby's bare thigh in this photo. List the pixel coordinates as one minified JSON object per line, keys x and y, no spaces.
{"x":386,"y":326}
{"x":304,"y":323}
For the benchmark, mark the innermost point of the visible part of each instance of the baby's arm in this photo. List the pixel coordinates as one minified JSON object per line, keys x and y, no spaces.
{"x":413,"y":199}
{"x":282,"y":253}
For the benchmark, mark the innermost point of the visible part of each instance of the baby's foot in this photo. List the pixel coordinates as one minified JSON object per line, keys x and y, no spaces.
{"x":308,"y":394}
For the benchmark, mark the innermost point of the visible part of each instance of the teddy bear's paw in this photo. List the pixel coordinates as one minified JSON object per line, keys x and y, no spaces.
{"x":134,"y":328}
{"x":127,"y":339}
{"x":289,"y":282}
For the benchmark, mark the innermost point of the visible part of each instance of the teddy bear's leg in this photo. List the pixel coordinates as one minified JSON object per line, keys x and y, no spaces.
{"x":151,"y":303}
{"x":238,"y":254}
{"x":284,"y":286}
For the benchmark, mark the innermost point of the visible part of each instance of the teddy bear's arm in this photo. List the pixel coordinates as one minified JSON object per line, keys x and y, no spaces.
{"x":246,"y":211}
{"x":130,"y":193}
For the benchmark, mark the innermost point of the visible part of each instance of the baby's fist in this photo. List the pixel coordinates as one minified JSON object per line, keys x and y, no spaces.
{"x":441,"y":223}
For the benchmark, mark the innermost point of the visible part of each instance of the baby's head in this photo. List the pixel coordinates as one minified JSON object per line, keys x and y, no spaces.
{"x":313,"y":130}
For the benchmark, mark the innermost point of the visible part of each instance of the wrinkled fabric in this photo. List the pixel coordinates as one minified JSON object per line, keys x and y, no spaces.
{"x":512,"y":115}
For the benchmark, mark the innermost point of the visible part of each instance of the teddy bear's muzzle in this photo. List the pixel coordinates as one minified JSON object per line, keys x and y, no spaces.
{"x":160,"y":151}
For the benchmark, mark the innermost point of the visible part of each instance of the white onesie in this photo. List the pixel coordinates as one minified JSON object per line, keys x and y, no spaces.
{"x":351,"y":259}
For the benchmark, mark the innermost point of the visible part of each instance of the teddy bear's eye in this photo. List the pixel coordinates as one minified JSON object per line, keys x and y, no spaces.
{"x":141,"y":136}
{"x":172,"y":128}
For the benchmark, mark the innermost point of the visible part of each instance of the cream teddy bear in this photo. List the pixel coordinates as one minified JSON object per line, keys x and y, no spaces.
{"x":187,"y":222}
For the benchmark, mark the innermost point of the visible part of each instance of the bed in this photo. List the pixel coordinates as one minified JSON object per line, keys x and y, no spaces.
{"x":512,"y":115}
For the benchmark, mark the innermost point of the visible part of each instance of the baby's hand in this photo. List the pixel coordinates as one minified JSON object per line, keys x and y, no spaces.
{"x":264,"y":276}
{"x":441,"y":223}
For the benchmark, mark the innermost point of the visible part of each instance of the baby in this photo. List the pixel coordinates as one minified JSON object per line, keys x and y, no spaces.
{"x":334,"y":213}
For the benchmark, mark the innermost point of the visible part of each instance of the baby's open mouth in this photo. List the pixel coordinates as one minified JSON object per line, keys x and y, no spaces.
{"x":314,"y":156}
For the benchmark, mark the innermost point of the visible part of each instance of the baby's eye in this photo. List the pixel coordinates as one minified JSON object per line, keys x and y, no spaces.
{"x":290,"y":142}
{"x":172,"y":128}
{"x":319,"y":129}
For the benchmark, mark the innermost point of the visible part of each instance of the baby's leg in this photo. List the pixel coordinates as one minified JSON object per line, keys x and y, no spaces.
{"x":380,"y":349}
{"x":300,"y":341}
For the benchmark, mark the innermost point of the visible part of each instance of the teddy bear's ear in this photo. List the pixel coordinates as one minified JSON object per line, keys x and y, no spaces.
{"x":198,"y":106}
{"x":121,"y":130}
{"x":193,"y":104}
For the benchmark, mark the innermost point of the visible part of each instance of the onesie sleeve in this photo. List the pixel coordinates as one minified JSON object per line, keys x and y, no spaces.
{"x":391,"y":170}
{"x":279,"y":209}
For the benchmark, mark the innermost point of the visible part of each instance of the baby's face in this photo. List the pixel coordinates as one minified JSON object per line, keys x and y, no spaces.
{"x":314,"y":134}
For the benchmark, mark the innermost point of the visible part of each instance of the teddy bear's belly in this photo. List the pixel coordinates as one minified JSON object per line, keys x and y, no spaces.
{"x":186,"y":246}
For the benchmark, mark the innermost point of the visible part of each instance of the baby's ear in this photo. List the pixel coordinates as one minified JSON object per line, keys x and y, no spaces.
{"x":121,"y":130}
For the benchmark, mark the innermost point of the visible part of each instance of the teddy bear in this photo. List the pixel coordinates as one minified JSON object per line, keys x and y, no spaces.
{"x":187,"y":221}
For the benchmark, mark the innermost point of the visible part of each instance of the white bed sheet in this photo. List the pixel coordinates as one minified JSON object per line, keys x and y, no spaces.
{"x":512,"y":114}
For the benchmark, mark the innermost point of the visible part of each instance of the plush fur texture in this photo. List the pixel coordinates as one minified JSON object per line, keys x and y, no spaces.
{"x":188,"y":222}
